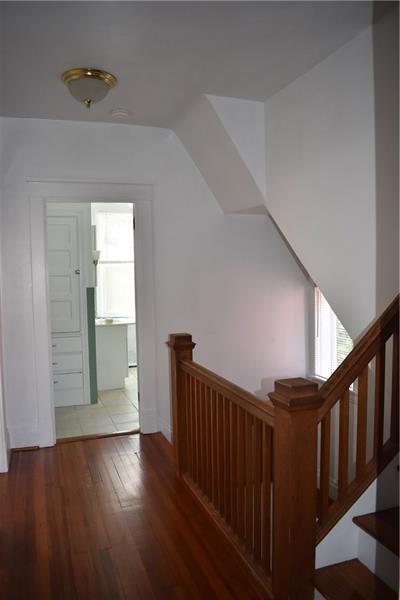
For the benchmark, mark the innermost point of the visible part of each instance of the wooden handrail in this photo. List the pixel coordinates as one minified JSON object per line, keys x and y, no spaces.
{"x":364,"y":350}
{"x":262,"y":409}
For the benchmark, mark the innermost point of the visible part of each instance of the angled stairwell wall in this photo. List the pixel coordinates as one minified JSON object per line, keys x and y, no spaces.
{"x":329,"y":179}
{"x":217,"y":157}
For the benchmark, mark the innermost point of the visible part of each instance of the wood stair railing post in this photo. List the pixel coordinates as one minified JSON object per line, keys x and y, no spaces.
{"x":296,"y":403}
{"x":181,"y":348}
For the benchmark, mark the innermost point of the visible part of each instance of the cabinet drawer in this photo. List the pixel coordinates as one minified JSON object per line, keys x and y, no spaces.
{"x":66,"y":344}
{"x":67,"y":362}
{"x":67,"y":381}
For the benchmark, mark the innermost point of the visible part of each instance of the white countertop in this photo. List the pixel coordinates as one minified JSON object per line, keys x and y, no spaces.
{"x":114,"y":322}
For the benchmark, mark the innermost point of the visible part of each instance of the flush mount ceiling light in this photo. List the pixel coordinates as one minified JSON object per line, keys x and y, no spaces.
{"x":88,"y":85}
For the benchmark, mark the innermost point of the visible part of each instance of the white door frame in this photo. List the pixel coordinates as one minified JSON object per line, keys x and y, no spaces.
{"x":40,"y":192}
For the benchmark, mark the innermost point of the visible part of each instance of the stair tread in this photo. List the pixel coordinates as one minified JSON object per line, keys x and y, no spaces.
{"x":383,"y":526}
{"x":351,"y":580}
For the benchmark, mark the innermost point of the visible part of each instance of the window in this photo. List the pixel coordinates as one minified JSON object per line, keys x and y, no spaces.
{"x":332,"y":342}
{"x":115,"y":296}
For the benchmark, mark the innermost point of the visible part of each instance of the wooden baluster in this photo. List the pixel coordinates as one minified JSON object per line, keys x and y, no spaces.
{"x":296,"y":403}
{"x":362,"y":413}
{"x":206,"y":444}
{"x":379,"y":398}
{"x":257,"y":449}
{"x":233,"y":464}
{"x":214,"y":448}
{"x":221,"y":452}
{"x":394,"y":418}
{"x":197,"y":426}
{"x":181,"y":348}
{"x":325,"y":465}
{"x":240,"y":470}
{"x":343,"y":445}
{"x":249,"y":481}
{"x":189,"y":424}
{"x":266,"y":465}
{"x":209,"y":442}
{"x":202,"y":442}
{"x":227,"y":481}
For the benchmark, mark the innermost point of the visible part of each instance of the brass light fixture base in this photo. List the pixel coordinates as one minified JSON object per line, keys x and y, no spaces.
{"x":88,"y":85}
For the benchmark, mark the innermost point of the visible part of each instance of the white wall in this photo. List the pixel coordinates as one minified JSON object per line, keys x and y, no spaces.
{"x":228,"y":280}
{"x":244,"y":120}
{"x":227,"y":161}
{"x":4,"y":442}
{"x":320,"y":153}
{"x":386,"y":79}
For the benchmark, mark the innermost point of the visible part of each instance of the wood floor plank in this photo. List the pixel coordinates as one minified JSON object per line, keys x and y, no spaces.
{"x":109,"y":519}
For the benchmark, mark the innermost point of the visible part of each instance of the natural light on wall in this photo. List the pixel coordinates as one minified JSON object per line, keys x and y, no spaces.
{"x":116,"y":267}
{"x":332,"y":342}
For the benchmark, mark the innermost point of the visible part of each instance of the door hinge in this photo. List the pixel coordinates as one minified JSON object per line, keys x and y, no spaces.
{"x":134,"y":223}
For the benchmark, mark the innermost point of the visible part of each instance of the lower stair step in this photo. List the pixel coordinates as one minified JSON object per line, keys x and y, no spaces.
{"x":351,"y":580}
{"x":383,"y":526}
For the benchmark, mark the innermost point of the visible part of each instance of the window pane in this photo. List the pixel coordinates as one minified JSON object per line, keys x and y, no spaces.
{"x":116,"y":290}
{"x":332,"y":342}
{"x":114,"y":232}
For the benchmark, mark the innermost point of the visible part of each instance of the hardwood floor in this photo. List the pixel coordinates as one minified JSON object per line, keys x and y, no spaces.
{"x":108,"y":519}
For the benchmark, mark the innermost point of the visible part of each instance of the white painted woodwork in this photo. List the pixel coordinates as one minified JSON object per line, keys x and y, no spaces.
{"x":67,"y":362}
{"x":111,"y":355}
{"x":64,"y":273}
{"x":66,"y":344}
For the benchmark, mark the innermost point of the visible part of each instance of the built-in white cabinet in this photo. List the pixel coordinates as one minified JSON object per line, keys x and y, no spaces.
{"x":69,"y":272}
{"x":68,"y":371}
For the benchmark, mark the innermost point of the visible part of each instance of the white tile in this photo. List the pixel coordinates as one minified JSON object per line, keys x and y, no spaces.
{"x":128,"y":426}
{"x":110,"y":394}
{"x":93,"y":428}
{"x":121,"y":401}
{"x":96,"y":420}
{"x":123,"y":409}
{"x":89,"y":413}
{"x":68,"y":430}
{"x":124,"y":418}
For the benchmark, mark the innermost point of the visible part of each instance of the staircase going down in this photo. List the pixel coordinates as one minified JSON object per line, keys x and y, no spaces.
{"x":352,"y":580}
{"x":277,"y":476}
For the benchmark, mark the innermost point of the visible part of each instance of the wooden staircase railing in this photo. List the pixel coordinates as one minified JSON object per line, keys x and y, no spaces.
{"x":368,"y":379}
{"x":263,"y":469}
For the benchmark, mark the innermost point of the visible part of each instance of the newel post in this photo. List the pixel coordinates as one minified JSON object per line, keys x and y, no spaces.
{"x":296,"y":403}
{"x":181,"y":348}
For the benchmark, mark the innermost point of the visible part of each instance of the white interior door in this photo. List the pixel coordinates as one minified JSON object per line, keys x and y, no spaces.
{"x":64,"y":273}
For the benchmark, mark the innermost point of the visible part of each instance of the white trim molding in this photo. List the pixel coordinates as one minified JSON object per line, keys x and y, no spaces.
{"x":41,"y":192}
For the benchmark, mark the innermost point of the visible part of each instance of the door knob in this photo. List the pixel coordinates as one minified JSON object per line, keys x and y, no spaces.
{"x":77,"y":271}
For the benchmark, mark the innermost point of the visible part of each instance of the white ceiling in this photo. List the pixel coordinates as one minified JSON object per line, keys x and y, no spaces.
{"x":165,"y":54}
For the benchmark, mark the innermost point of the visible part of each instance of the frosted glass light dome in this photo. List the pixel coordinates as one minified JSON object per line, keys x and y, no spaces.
{"x":88,"y":85}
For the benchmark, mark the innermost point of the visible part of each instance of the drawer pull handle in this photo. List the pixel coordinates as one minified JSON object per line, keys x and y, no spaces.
{"x":54,"y":364}
{"x":56,"y":382}
{"x":54,"y":345}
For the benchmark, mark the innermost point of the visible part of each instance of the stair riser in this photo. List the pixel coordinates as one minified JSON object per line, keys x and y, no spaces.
{"x":378,"y":559}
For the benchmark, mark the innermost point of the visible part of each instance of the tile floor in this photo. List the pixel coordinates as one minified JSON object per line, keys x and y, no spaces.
{"x":116,"y":410}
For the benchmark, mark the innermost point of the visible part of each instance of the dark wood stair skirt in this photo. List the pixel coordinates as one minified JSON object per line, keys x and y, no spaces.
{"x":383,"y":526}
{"x":351,"y":580}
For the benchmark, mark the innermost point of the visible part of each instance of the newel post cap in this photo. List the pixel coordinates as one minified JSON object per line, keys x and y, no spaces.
{"x":295,"y":393}
{"x":180,"y":341}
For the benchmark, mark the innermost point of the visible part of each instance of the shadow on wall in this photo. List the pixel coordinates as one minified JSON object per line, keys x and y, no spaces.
{"x":386,"y":86}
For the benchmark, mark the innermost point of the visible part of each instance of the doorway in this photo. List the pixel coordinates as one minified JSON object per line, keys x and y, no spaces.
{"x":92,"y":298}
